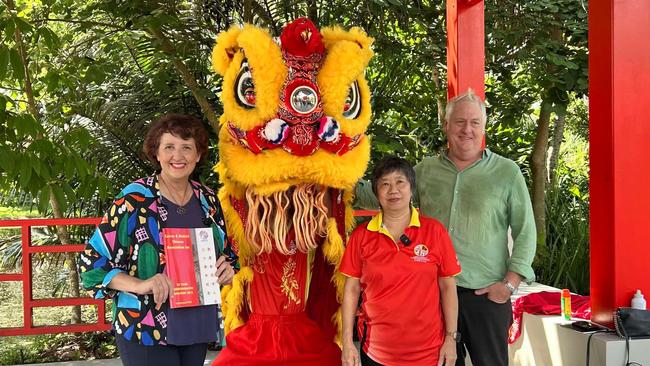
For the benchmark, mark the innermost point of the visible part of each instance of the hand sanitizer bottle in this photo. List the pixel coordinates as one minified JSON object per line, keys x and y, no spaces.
{"x":565,"y":304}
{"x":638,"y":302}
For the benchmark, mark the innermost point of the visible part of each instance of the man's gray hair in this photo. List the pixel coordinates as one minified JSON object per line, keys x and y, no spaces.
{"x":468,"y":96}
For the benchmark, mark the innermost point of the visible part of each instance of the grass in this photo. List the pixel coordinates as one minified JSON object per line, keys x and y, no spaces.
{"x":46,"y":284}
{"x":49,"y":347}
{"x":7,"y":213}
{"x":56,"y":348}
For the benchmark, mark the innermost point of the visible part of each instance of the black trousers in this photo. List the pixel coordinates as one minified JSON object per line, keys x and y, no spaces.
{"x":133,"y":354}
{"x":483,"y":325}
{"x":367,"y":361}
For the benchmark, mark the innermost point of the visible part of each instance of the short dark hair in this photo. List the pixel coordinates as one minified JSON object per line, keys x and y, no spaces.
{"x":390,"y":164}
{"x":179,"y":125}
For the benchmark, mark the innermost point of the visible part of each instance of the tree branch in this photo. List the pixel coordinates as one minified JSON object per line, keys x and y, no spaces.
{"x":556,"y":142}
{"x":135,"y":59}
{"x":84,"y":22}
{"x":538,"y":171}
{"x":248,"y":13}
{"x":10,"y":88}
{"x":29,"y":91}
{"x":312,"y":11}
{"x":187,"y":77}
{"x":439,"y":102}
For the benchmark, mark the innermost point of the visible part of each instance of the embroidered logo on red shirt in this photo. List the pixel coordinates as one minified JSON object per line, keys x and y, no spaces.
{"x":421,"y":251}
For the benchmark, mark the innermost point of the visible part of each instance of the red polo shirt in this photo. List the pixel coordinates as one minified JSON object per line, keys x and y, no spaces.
{"x":401,"y":305}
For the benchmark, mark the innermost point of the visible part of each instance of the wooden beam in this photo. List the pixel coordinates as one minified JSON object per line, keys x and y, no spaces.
{"x":465,"y":47}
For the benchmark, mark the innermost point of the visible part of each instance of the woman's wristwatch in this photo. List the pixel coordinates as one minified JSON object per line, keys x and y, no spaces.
{"x":455,"y":335}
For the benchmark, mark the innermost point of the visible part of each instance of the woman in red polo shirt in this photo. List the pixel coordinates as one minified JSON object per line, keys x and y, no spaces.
{"x":395,"y":261}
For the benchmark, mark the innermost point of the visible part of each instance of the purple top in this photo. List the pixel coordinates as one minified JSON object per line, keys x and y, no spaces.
{"x":198,"y":324}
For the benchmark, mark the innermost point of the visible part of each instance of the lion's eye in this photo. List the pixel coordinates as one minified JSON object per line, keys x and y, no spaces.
{"x":352,"y":106}
{"x":244,"y":87}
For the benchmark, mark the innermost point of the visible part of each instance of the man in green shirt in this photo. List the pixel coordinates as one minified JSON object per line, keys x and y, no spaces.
{"x":479,"y":196}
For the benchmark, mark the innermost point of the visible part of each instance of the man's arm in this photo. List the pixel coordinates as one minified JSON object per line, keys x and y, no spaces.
{"x":524,"y":236}
{"x":524,"y":233}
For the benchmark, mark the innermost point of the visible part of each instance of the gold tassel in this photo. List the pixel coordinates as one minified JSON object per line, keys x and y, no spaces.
{"x":233,"y":299}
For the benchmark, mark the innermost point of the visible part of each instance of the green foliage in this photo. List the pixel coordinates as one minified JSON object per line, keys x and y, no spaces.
{"x":565,"y":260}
{"x":544,"y":41}
{"x":11,"y":246}
{"x":48,"y":348}
{"x":99,"y":76}
{"x":58,"y":348}
{"x":98,"y":79}
{"x":536,"y":51}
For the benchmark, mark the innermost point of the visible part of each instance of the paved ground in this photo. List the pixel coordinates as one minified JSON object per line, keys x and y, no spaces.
{"x":112,"y":362}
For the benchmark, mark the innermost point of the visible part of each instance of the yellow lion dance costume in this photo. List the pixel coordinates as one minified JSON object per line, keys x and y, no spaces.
{"x":292,"y":146}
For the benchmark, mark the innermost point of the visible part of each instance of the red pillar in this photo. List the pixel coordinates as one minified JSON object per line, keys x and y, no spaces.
{"x":619,"y":127}
{"x":465,"y":47}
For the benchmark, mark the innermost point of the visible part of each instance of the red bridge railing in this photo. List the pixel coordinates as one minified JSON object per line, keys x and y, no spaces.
{"x":29,"y":303}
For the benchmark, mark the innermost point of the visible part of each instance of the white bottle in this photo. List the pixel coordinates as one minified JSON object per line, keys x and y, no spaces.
{"x":638,"y":302}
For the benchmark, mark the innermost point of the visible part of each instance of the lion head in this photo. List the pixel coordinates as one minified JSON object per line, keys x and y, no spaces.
{"x":296,"y":109}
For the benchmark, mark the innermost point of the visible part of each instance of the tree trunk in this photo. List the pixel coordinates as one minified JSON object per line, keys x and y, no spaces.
{"x":312,"y":11}
{"x":538,"y":171}
{"x":558,"y":132}
{"x":440,"y":103}
{"x":187,"y":77}
{"x":62,"y":231}
{"x":18,"y":38}
{"x":538,"y":156}
{"x":70,"y":258}
{"x":248,"y":12}
{"x":556,"y":143}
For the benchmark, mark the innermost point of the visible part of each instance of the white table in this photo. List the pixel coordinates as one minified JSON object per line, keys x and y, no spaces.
{"x":548,"y":340}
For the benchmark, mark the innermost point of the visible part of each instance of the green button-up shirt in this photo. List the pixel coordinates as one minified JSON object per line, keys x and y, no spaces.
{"x":477,"y":206}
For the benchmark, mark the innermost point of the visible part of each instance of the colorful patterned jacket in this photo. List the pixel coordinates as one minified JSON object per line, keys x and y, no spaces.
{"x":127,"y":240}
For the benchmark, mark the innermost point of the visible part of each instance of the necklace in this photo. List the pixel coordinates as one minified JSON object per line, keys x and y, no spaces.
{"x":180,"y":209}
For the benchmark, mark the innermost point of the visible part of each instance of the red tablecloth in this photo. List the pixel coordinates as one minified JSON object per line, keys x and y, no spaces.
{"x":545,"y":303}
